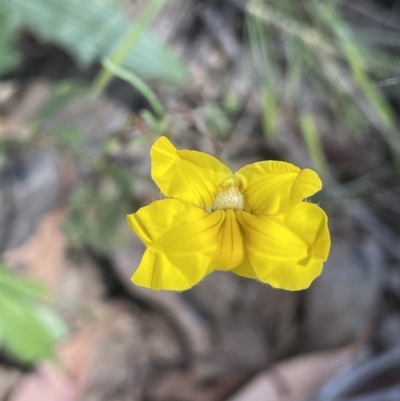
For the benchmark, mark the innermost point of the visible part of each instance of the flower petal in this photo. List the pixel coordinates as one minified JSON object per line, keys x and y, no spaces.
{"x":230,"y":249}
{"x":245,"y":269}
{"x":310,"y":222}
{"x":272,"y":187}
{"x":158,"y":272}
{"x":287,"y":251}
{"x":181,"y":241}
{"x":185,"y":174}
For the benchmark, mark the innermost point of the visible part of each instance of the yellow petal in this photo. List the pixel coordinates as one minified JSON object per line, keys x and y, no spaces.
{"x":273,"y":187}
{"x":181,"y":241}
{"x":310,"y":222}
{"x":230,"y":243}
{"x":287,"y":251}
{"x":185,"y":174}
{"x":296,"y":277}
{"x":160,"y":271}
{"x":245,"y":269}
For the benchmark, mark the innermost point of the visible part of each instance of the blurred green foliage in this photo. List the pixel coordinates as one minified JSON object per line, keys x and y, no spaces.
{"x":91,"y":30}
{"x":129,"y":41}
{"x":308,"y":47}
{"x":9,"y":56}
{"x":216,"y":120}
{"x":29,"y":329}
{"x":98,"y":207}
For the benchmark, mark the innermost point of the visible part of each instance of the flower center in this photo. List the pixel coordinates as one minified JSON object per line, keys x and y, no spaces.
{"x":229,"y":197}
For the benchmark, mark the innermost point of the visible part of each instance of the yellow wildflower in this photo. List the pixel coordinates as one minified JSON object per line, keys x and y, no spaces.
{"x":254,"y":222}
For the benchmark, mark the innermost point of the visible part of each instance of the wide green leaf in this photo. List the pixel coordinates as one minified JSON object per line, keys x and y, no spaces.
{"x":91,"y":30}
{"x":28,"y":328}
{"x":9,"y":57}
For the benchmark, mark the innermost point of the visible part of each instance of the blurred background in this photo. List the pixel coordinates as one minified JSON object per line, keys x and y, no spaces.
{"x":85,"y":89}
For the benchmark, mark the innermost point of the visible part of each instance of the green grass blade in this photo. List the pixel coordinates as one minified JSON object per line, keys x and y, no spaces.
{"x":137,"y":83}
{"x":128,"y":42}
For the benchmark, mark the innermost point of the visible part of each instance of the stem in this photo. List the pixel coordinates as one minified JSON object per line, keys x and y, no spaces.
{"x":136,"y":82}
{"x":127,"y":43}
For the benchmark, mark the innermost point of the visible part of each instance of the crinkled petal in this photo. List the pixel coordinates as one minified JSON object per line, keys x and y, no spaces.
{"x":185,"y":174}
{"x":273,"y":187}
{"x":230,"y":247}
{"x":181,"y":240}
{"x":310,"y":222}
{"x":287,"y":251}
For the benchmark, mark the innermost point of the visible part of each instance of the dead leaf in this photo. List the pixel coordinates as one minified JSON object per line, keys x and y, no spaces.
{"x":42,"y":257}
{"x":46,"y":384}
{"x":297,"y":378}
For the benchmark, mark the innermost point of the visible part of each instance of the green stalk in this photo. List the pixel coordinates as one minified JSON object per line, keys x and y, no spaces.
{"x":136,"y":82}
{"x":127,"y":43}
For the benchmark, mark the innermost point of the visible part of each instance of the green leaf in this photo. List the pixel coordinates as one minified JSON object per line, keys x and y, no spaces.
{"x":9,"y":57}
{"x":19,"y":286}
{"x":28,"y":328}
{"x":91,"y":30}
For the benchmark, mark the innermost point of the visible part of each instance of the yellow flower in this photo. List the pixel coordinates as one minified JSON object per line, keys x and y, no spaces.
{"x":254,"y":222}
